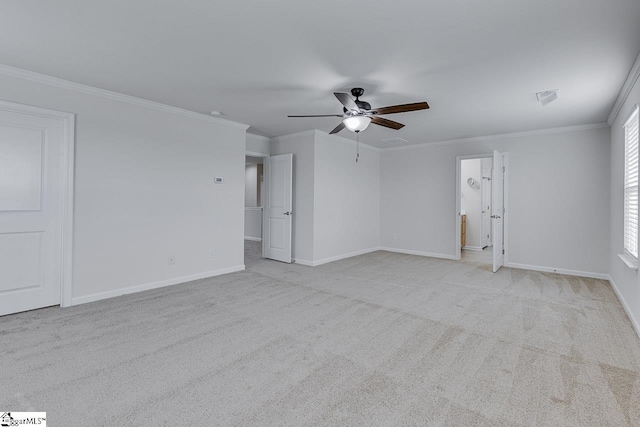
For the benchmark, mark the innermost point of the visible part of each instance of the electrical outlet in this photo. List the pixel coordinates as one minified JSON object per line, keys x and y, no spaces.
{"x":212,"y":253}
{"x":395,"y":236}
{"x":172,"y":260}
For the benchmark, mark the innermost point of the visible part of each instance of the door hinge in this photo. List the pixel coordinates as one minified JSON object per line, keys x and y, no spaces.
{"x":504,"y":169}
{"x":503,"y":252}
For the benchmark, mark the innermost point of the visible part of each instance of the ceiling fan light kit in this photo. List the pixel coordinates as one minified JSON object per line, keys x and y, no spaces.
{"x":357,"y":114}
{"x":357,"y":123}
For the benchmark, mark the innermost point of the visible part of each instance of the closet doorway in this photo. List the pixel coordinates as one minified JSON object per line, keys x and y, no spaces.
{"x":480,"y":183}
{"x":253,"y":194}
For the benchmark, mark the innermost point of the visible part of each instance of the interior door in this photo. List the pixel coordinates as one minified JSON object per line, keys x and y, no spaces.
{"x":278,"y":214}
{"x":31,"y":196}
{"x":497,"y":205}
{"x":486,"y":203}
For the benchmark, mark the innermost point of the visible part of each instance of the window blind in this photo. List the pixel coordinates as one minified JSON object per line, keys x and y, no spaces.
{"x":631,"y":185}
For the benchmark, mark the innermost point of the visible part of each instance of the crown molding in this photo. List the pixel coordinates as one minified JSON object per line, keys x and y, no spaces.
{"x":486,"y":138}
{"x":19,"y":73}
{"x":632,"y":78}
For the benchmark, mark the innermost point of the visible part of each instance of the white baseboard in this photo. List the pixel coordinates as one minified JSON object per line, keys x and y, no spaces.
{"x":634,"y":321}
{"x":343,"y":256}
{"x":303,"y":262}
{"x":558,"y":271}
{"x":253,"y":239}
{"x":472,"y":248}
{"x":154,"y":285}
{"x":335,"y":258}
{"x":410,"y":252}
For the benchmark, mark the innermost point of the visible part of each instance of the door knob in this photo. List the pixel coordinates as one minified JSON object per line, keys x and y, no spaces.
{"x":287,"y":213}
{"x":495,"y":216}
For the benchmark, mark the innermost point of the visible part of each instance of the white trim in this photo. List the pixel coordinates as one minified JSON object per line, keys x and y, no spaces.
{"x":633,"y":76}
{"x":562,"y":271}
{"x":458,"y":215}
{"x":34,"y":111}
{"x":154,"y":285}
{"x":489,"y":138}
{"x":419,"y":253}
{"x":68,"y":169}
{"x":634,"y":321}
{"x":472,"y":248}
{"x":336,"y":258}
{"x":253,"y":239}
{"x":304,"y":262}
{"x":67,"y":214}
{"x":253,"y":208}
{"x":114,"y":96}
{"x":629,"y":262}
{"x":506,"y":213}
{"x":256,"y":154}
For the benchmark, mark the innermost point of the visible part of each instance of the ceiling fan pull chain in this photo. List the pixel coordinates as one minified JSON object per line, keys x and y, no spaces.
{"x":357,"y":146}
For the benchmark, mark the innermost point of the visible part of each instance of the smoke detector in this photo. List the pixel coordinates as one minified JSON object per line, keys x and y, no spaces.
{"x":547,"y":96}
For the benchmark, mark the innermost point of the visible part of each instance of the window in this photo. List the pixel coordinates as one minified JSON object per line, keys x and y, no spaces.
{"x":631,"y":186}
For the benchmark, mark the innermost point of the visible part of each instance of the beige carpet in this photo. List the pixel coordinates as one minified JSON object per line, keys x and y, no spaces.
{"x":381,"y":339}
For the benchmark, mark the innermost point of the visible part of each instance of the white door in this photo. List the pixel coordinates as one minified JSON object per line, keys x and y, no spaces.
{"x":497,"y":205}
{"x":486,"y":203}
{"x":277,"y":209}
{"x":32,"y":185}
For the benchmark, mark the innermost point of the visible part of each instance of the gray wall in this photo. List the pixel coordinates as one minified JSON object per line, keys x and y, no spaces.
{"x":558,"y":198}
{"x":144,"y":191}
{"x":625,"y":280}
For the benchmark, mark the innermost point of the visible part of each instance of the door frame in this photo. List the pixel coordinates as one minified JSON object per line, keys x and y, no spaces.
{"x":459,"y":160}
{"x":266,"y":190}
{"x":67,"y":172}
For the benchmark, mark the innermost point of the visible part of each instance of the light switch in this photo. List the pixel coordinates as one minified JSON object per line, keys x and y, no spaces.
{"x":218,"y":180}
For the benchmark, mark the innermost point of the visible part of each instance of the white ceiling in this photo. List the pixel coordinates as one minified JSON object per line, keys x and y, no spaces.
{"x":477,"y":63}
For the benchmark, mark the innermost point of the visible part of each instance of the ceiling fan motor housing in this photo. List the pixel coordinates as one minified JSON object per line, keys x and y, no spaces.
{"x":358,"y":92}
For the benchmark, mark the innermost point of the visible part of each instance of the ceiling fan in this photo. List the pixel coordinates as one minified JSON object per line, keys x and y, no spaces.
{"x":358,"y":114}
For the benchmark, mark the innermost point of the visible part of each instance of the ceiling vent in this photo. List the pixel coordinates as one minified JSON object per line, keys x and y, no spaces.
{"x":547,"y":96}
{"x":393,"y":142}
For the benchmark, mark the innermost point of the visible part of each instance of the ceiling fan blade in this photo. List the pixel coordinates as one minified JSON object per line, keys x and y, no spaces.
{"x":386,"y":123}
{"x":347,"y":101}
{"x":404,"y":108}
{"x":337,"y":128}
{"x":321,"y":115}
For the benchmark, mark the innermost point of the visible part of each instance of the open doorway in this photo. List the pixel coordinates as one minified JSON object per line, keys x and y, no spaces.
{"x":480,"y":226}
{"x":268,"y":207}
{"x":475,"y":210}
{"x":253,"y":208}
